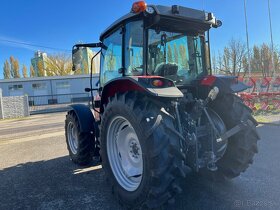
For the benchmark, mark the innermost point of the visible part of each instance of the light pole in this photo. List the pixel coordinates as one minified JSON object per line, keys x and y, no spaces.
{"x":271,"y":38}
{"x":203,"y":4}
{"x":247,"y":37}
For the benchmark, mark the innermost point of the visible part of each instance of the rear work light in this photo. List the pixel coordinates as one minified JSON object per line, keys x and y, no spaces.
{"x":139,"y":6}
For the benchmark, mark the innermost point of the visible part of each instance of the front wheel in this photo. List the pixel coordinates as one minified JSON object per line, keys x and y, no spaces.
{"x":79,"y":144}
{"x":140,"y":153}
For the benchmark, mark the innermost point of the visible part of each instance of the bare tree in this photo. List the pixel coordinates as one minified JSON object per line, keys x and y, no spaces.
{"x":40,"y":69}
{"x":214,"y":64}
{"x":31,"y":72}
{"x":7,"y":70}
{"x":169,"y":54}
{"x":58,"y":65}
{"x":237,"y":50}
{"x":219,"y":62}
{"x":24,"y":71}
{"x":183,"y":56}
{"x":176,"y":56}
{"x":14,"y":67}
{"x":245,"y":65}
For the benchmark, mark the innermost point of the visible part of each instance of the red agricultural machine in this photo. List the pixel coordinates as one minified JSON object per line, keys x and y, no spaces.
{"x":263,"y":94}
{"x":160,"y":109}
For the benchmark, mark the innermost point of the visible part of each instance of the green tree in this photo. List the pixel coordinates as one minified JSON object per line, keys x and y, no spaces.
{"x":7,"y":70}
{"x":265,"y":59}
{"x":14,"y":67}
{"x":31,"y":71}
{"x":24,"y":71}
{"x":277,"y":62}
{"x":256,"y":60}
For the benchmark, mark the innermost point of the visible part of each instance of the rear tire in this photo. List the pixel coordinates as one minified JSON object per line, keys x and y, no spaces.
{"x":162,"y":160}
{"x":242,"y":146}
{"x":79,"y":144}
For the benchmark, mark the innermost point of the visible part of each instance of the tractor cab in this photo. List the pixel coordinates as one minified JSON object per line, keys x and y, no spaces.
{"x":157,"y":41}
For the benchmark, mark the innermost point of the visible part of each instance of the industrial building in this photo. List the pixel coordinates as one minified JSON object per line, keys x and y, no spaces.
{"x":48,"y":90}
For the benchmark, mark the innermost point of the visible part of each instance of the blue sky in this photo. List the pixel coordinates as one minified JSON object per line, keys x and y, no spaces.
{"x":62,"y":23}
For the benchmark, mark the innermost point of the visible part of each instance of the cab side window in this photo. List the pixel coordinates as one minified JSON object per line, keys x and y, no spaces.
{"x":111,"y":60}
{"x":134,"y":48}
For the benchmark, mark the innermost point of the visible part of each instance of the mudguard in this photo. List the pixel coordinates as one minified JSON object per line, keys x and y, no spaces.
{"x":146,"y":84}
{"x":85,"y":117}
{"x":226,"y":84}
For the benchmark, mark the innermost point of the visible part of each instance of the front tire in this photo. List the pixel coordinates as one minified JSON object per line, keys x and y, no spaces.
{"x":79,"y":144}
{"x":129,"y":119}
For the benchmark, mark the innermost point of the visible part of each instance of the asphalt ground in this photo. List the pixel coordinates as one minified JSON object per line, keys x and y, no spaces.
{"x":36,"y":173}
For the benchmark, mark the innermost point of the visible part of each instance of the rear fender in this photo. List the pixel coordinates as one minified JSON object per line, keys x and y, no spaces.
{"x":141,"y":84}
{"x":226,"y":84}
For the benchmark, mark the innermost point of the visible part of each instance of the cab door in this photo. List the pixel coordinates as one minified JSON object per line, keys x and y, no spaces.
{"x":111,"y":57}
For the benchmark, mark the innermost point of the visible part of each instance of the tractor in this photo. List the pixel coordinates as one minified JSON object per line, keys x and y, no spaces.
{"x":158,"y":110}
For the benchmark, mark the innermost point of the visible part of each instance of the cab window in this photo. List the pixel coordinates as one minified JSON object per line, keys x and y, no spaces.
{"x":111,"y":60}
{"x":134,"y":48}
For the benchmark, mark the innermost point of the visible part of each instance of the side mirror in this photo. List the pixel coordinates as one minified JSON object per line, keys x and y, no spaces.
{"x":76,"y":58}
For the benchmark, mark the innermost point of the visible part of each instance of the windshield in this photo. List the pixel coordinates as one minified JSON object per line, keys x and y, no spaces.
{"x":176,"y":56}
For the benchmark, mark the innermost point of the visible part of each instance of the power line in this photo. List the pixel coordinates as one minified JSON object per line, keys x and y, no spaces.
{"x":34,"y":45}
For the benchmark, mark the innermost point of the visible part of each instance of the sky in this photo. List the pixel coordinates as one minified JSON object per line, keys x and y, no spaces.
{"x":59,"y":24}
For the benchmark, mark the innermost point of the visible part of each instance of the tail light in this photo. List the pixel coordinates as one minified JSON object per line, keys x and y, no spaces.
{"x":158,"y":83}
{"x":208,"y":81}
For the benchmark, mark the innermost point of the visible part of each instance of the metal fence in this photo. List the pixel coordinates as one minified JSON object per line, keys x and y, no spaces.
{"x":56,"y":103}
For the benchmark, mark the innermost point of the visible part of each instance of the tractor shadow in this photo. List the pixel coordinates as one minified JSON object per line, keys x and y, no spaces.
{"x":60,"y":184}
{"x":55,"y":184}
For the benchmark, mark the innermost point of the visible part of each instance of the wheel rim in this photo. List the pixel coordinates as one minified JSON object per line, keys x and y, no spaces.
{"x":124,"y":153}
{"x":72,"y":137}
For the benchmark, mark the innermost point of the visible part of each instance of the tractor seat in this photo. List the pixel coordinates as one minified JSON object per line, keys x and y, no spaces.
{"x":166,"y":69}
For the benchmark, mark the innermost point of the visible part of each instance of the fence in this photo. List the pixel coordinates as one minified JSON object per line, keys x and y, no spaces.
{"x":13,"y":106}
{"x":56,"y":103}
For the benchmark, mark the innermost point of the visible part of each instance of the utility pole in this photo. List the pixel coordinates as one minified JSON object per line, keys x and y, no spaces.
{"x":247,"y":37}
{"x":271,"y":38}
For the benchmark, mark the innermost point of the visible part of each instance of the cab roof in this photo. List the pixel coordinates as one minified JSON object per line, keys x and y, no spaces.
{"x":201,"y":20}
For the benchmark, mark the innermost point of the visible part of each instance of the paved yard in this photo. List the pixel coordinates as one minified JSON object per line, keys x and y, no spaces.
{"x":36,"y":173}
